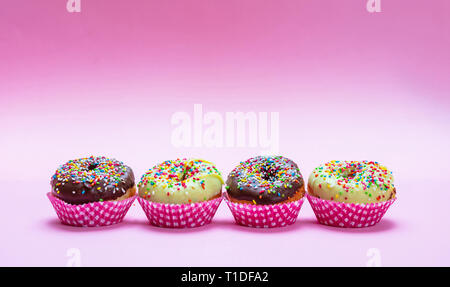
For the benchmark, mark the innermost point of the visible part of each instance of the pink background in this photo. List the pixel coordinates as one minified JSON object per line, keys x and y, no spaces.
{"x":348,"y":84}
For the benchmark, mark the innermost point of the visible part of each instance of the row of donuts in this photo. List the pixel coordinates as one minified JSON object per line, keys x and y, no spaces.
{"x":263,"y":191}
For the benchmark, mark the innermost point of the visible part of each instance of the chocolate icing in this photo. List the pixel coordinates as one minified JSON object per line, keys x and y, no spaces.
{"x":91,"y":179}
{"x":265,"y":180}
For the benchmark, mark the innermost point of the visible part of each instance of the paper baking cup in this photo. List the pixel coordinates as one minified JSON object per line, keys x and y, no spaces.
{"x":91,"y":214}
{"x":265,"y":216}
{"x":349,"y":215}
{"x":180,"y":215}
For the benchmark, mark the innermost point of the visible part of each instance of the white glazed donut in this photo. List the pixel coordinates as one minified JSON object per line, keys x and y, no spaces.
{"x":181,"y":181}
{"x":352,"y":182}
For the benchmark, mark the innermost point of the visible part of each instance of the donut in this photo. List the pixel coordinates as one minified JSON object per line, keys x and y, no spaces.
{"x":181,"y":181}
{"x":352,"y":182}
{"x":93,"y":179}
{"x":265,"y":180}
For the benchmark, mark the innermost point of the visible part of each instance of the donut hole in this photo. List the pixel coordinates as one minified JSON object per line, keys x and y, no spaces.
{"x":188,"y":172}
{"x":349,"y":173}
{"x":183,"y":177}
{"x":92,"y":166}
{"x":269,"y":173}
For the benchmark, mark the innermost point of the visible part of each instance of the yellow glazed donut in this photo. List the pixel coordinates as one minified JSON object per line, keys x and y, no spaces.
{"x":352,"y":182}
{"x":181,"y":181}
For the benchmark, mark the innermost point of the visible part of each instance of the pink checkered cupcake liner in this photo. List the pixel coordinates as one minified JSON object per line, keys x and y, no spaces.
{"x":265,"y":216}
{"x":348,"y":215}
{"x":92,"y":214}
{"x":180,"y":215}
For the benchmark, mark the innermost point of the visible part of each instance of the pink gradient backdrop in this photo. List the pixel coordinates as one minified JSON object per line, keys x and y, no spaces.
{"x":348,"y":84}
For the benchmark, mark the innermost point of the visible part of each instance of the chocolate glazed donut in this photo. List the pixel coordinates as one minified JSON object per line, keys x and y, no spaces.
{"x":93,"y":179}
{"x":265,"y":180}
